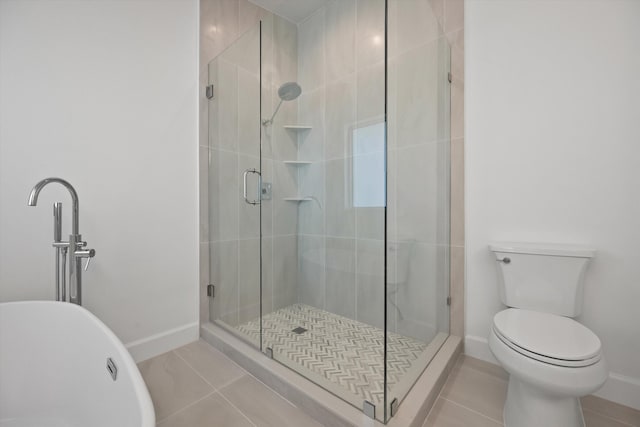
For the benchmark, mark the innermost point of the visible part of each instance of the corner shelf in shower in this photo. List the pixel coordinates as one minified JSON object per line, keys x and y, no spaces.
{"x":297,"y":199}
{"x":297,"y":128}
{"x":297,"y":162}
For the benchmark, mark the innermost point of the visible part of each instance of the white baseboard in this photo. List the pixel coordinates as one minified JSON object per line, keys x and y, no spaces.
{"x":618,"y":388}
{"x":154,"y":345}
{"x":621,"y":389}
{"x":478,"y":347}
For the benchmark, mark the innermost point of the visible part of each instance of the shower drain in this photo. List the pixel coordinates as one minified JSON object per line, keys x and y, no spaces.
{"x":299,"y":330}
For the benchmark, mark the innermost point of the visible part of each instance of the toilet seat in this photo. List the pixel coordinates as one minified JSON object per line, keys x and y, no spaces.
{"x":548,"y":338}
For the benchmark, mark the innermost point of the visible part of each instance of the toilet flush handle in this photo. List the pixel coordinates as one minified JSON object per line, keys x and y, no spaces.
{"x":506,"y":260}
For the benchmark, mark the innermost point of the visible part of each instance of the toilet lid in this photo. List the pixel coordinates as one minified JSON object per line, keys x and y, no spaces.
{"x":550,"y":336}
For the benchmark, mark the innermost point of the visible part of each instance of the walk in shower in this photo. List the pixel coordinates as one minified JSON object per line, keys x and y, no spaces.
{"x":329,"y":196}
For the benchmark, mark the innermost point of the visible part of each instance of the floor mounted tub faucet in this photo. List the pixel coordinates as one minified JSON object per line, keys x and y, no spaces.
{"x":74,"y":246}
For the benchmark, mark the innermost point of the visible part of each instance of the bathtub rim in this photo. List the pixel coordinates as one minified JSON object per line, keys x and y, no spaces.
{"x":147,"y":412}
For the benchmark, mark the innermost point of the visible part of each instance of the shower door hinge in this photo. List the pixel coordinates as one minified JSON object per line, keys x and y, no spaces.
{"x":209,"y":92}
{"x":448,"y":300}
{"x":394,"y":406}
{"x":211,"y":291}
{"x":449,"y":77}
{"x":369,"y":409}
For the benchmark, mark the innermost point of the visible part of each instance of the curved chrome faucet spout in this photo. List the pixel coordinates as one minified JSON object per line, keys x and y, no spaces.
{"x":74,"y":246}
{"x":35,"y":191}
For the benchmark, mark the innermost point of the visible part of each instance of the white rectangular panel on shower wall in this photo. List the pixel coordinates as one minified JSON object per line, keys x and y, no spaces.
{"x":369,"y":172}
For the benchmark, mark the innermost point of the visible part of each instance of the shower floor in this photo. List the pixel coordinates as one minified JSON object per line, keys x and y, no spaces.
{"x":340,"y":354}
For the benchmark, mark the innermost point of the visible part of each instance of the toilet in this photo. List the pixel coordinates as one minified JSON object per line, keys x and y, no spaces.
{"x":552,"y":360}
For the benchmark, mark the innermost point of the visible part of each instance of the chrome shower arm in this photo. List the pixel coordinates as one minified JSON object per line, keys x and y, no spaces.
{"x":270,"y":121}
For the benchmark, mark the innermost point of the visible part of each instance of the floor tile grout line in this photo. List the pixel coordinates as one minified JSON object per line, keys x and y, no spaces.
{"x":458,"y":360}
{"x":225,"y":384}
{"x":218,"y":389}
{"x":607,"y":417}
{"x":459,"y":364}
{"x":237,"y":409}
{"x":215,"y":350}
{"x":228,"y":383}
{"x":474,"y":411}
{"x":257,"y":379}
{"x":186,"y":407}
{"x":195,"y":370}
{"x":278,"y":394}
{"x":247,"y":373}
{"x":484,"y":374}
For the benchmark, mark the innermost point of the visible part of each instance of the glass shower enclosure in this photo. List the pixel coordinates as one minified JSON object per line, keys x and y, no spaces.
{"x":329,"y":197}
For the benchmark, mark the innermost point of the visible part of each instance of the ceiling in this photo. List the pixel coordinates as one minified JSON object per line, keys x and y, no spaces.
{"x":293,"y":10}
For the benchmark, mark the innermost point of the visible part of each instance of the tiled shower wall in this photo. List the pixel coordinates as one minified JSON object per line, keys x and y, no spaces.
{"x":419,"y":161}
{"x":341,"y":247}
{"x":234,"y":118}
{"x":450,"y":14}
{"x":222,"y":21}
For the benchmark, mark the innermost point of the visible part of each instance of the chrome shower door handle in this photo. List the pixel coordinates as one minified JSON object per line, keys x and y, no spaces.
{"x":244,"y":186}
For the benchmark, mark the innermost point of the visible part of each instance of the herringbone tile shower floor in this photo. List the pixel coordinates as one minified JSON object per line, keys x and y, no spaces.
{"x":344,"y":352}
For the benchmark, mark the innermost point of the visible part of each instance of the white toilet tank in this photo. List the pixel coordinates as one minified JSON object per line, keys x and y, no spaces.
{"x":541,"y":276}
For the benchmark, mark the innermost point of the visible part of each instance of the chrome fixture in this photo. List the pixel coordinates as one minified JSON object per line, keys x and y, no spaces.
{"x":244,"y":187}
{"x":74,"y":246}
{"x":266,"y":192}
{"x":369,"y":409}
{"x":112,"y":368}
{"x":315,"y":199}
{"x":287,"y":92}
{"x":60,"y":251}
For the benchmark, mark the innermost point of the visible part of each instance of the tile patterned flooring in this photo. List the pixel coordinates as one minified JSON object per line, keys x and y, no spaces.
{"x":343,"y":352}
{"x":198,"y":386}
{"x":475,"y":391}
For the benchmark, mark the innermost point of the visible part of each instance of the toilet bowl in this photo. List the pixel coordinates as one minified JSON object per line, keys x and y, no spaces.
{"x":552,"y":360}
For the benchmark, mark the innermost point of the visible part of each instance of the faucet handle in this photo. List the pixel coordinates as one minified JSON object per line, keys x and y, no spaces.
{"x":86,"y":253}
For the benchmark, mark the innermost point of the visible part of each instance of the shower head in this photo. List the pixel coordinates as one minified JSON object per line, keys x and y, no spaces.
{"x":287,"y":92}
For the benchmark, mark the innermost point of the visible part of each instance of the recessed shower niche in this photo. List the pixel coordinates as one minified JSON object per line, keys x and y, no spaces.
{"x":342,"y":274}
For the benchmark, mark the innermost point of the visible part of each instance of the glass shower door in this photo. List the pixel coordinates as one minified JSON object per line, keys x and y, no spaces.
{"x":418,"y":99}
{"x":329,"y":195}
{"x":234,"y":186}
{"x":323,"y":229}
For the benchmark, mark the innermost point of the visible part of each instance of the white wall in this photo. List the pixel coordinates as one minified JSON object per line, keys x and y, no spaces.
{"x":104,"y":94}
{"x":553,"y":149}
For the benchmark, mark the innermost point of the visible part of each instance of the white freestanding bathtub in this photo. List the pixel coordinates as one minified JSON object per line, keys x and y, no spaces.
{"x":53,"y":370}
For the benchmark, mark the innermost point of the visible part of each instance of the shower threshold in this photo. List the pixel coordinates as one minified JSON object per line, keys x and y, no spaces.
{"x":340,"y":355}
